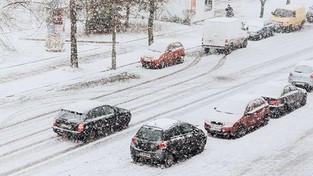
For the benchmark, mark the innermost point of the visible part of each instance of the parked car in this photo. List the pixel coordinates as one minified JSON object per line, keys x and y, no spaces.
{"x":309,"y":15}
{"x":86,"y":120}
{"x":302,"y":75}
{"x":166,"y":140}
{"x":223,"y":35}
{"x":260,"y":29}
{"x":289,"y":18}
{"x":281,"y":99}
{"x":236,"y":116}
{"x":160,"y":55}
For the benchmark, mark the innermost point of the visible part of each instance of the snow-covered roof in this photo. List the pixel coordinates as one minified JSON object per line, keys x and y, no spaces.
{"x":163,"y":124}
{"x":272,"y":89}
{"x":83,"y":106}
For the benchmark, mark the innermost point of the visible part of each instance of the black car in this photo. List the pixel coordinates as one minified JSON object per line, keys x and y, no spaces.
{"x":165,"y":141}
{"x":260,"y":29}
{"x":283,"y":100}
{"x":89,"y":119}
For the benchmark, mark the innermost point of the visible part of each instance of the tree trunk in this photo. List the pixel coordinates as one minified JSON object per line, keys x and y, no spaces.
{"x":150,"y":21}
{"x":73,"y":17}
{"x":113,"y":21}
{"x":262,"y":8}
{"x":127,"y":15}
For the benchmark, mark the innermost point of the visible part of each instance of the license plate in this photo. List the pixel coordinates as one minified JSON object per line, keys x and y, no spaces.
{"x":216,"y":128}
{"x":146,"y":155}
{"x":65,"y":126}
{"x":147,"y":60}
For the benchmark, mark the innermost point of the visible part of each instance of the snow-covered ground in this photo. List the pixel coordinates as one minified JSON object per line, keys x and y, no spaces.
{"x":36,"y":83}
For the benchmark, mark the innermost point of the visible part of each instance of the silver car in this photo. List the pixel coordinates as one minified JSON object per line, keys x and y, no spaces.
{"x":302,"y":75}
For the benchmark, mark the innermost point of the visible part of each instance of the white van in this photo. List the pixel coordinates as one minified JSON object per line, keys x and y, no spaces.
{"x":224,"y":35}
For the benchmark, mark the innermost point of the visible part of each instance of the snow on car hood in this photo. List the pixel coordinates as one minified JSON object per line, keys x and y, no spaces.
{"x":226,"y":118}
{"x":152,"y":54}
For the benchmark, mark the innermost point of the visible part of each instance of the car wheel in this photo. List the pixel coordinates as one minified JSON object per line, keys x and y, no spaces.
{"x":201,"y":146}
{"x":181,"y":59}
{"x":303,"y":101}
{"x":265,"y":120}
{"x":135,"y":159}
{"x":244,"y":43}
{"x":206,"y":50}
{"x":91,"y":136}
{"x":241,"y":131}
{"x":162,"y":64}
{"x":169,"y":160}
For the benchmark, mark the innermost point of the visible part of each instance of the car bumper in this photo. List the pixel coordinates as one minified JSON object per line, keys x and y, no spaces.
{"x":219,"y":134}
{"x":157,"y":156}
{"x":68,"y":133}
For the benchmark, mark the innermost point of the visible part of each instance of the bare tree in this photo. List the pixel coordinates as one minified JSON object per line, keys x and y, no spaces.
{"x":73,"y":17}
{"x":262,"y":8}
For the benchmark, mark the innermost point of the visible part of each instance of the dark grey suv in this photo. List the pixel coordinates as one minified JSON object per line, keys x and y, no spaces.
{"x":165,"y":141}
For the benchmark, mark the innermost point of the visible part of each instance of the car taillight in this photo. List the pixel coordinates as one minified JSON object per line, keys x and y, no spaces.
{"x":133,"y":141}
{"x":162,"y":145}
{"x":81,"y":127}
{"x":311,"y":76}
{"x":226,"y":40}
{"x":54,"y":122}
{"x":207,"y":125}
{"x":274,"y":102}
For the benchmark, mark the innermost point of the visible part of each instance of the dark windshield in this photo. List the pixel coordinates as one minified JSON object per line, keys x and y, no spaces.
{"x":150,"y":133}
{"x":283,"y":13}
{"x":65,"y":114}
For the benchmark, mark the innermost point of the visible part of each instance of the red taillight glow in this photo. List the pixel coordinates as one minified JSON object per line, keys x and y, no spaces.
{"x":81,"y":127}
{"x":274,"y":102}
{"x":54,"y":122}
{"x":162,"y":145}
{"x":207,"y":125}
{"x":133,"y":140}
{"x":311,"y":76}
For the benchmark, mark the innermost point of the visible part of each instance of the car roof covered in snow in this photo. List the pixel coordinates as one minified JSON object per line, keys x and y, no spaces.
{"x":163,"y":124}
{"x":271,"y":89}
{"x":83,"y":106}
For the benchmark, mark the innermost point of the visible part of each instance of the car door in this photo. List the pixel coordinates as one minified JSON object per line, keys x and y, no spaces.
{"x":251,"y":115}
{"x":190,"y":140}
{"x":176,"y":141}
{"x":94,"y":119}
{"x":170,"y":54}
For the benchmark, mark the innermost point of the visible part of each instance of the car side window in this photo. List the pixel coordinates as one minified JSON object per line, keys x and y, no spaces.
{"x":171,"y":47}
{"x":107,"y":110}
{"x":286,"y":90}
{"x":174,"y":131}
{"x":250,"y":106}
{"x":186,"y":128}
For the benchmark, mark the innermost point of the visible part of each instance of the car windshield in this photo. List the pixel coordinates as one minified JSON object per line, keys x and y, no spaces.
{"x":150,"y":133}
{"x":283,"y":13}
{"x":303,"y":69}
{"x":65,"y":114}
{"x":157,"y":47}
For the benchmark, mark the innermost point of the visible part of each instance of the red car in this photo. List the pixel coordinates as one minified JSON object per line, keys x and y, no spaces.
{"x":236,"y":116}
{"x":160,"y":55}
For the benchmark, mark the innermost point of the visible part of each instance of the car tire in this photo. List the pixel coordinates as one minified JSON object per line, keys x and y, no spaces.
{"x":303,"y":101}
{"x":91,"y":136}
{"x":244,"y":43}
{"x":241,"y":131}
{"x":136,"y":159}
{"x":201,"y":146}
{"x":207,"y":50}
{"x":162,"y":64}
{"x":169,"y":161}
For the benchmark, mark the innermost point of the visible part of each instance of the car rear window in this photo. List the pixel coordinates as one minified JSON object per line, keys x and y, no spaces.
{"x":150,"y":133}
{"x":303,"y":69}
{"x":65,"y":114}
